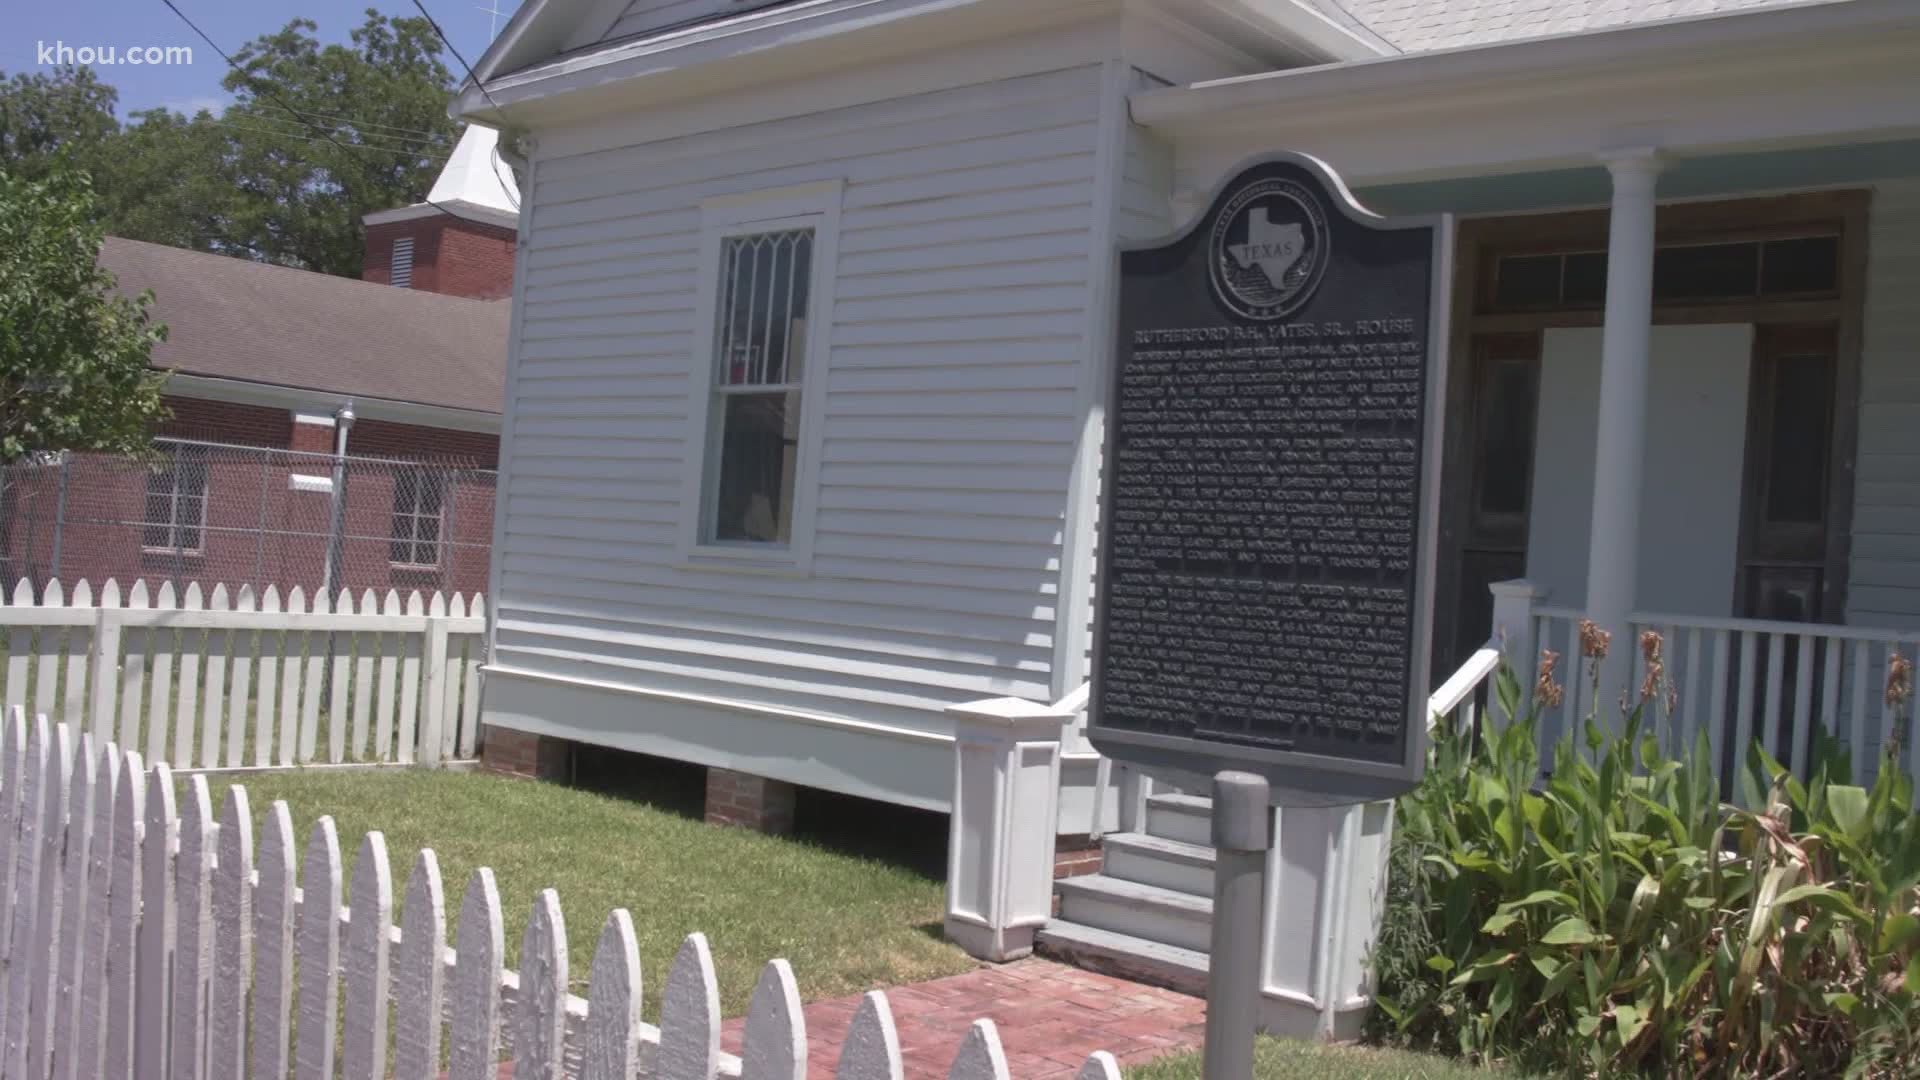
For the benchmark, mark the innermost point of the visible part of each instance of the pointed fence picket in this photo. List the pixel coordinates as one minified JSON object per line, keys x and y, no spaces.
{"x":138,"y":941}
{"x":210,"y":679}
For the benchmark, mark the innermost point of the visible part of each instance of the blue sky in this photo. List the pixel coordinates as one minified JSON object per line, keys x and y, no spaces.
{"x":29,"y":24}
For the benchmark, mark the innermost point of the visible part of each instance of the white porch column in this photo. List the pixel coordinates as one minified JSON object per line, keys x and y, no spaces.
{"x":1006,"y":799}
{"x":1613,"y":557}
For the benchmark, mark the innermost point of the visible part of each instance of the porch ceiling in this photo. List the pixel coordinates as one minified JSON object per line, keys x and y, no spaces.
{"x":1683,"y":178}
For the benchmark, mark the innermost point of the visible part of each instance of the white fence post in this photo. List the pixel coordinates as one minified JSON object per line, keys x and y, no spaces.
{"x":27,"y":850}
{"x":419,"y":973}
{"x":105,"y":661}
{"x":480,"y":950}
{"x":434,"y":696}
{"x":368,"y":942}
{"x":1512,"y":634}
{"x":193,"y":953}
{"x":123,"y":922}
{"x":775,"y":1043}
{"x":1006,"y":791}
{"x":158,"y":927}
{"x":319,"y":952}
{"x":540,"y":1021}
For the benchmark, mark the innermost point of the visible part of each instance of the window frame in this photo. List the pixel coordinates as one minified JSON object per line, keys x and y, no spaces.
{"x":413,"y":542}
{"x":177,"y":462}
{"x":811,"y":206}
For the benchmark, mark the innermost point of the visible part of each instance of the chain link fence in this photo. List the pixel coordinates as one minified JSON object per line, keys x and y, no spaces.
{"x":215,"y":513}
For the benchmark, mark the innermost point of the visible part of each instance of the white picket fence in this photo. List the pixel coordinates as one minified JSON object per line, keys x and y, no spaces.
{"x":228,"y":681}
{"x":149,"y":941}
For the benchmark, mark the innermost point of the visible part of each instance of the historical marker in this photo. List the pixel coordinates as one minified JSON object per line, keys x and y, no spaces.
{"x":1266,"y":575}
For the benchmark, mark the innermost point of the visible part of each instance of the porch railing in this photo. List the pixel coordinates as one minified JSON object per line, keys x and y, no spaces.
{"x":1741,"y":680}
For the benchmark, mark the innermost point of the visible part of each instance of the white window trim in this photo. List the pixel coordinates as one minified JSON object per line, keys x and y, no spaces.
{"x":817,"y":206}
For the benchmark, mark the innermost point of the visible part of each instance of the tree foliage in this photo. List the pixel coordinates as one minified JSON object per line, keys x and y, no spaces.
{"x":43,"y":116}
{"x":317,"y":136}
{"x":74,"y":356}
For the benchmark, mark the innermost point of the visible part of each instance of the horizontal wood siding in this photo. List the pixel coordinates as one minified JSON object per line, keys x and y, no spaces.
{"x":958,"y":325}
{"x":647,"y":16}
{"x":1884,"y":585}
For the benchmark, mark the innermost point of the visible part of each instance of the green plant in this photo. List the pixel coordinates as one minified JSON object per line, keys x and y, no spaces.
{"x":1618,"y":919}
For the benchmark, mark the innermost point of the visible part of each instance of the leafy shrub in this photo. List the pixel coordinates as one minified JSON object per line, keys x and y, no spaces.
{"x":1619,"y":919}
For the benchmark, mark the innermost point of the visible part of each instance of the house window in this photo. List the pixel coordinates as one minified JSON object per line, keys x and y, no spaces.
{"x":1789,"y":268}
{"x":763,"y":306}
{"x":417,"y":518}
{"x":176,"y":516}
{"x":760,"y":360}
{"x":400,"y":269}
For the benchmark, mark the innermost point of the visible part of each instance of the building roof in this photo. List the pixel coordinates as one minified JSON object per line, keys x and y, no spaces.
{"x":1421,"y":25}
{"x":253,"y":322}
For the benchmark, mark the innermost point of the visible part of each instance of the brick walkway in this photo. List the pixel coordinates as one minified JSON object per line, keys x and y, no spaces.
{"x":1050,"y":1018}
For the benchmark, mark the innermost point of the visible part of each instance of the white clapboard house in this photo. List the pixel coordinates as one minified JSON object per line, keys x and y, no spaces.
{"x":811,"y":339}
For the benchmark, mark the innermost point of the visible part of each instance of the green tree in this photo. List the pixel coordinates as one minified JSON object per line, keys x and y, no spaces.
{"x":316,"y":137}
{"x":381,"y":102}
{"x":67,"y":111}
{"x":75,"y":357}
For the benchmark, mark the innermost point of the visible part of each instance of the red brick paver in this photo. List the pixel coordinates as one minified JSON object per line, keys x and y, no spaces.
{"x":1050,"y":1018}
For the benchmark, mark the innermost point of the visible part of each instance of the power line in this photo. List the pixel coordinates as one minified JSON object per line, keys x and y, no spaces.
{"x":365,"y":140}
{"x":372,"y":124}
{"x":448,"y":42}
{"x":297,"y":137}
{"x":277,"y":99}
{"x":494,"y":158}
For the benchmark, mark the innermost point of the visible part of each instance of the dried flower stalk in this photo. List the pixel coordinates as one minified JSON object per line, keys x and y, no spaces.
{"x":1547,"y":692}
{"x":1593,"y":640}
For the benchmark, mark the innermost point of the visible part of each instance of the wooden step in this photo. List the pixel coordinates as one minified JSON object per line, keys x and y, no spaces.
{"x":1144,"y":911}
{"x":1153,"y":860}
{"x":1124,"y":956}
{"x":1186,"y":818}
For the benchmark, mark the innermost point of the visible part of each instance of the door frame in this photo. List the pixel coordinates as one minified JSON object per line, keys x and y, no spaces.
{"x":1479,"y":244}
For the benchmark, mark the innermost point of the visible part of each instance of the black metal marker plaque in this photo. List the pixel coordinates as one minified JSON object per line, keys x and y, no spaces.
{"x":1265,"y":585}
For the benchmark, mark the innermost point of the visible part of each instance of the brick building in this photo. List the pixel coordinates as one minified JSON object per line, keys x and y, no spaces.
{"x":274,"y":372}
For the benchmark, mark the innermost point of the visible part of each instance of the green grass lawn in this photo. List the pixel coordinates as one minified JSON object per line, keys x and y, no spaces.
{"x":853,"y":900}
{"x":1288,"y":1059}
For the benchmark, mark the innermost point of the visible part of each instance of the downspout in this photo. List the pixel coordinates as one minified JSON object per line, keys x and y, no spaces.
{"x":336,"y":527}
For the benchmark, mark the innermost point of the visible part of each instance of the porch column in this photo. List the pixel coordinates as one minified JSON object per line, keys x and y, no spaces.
{"x":1619,"y":450}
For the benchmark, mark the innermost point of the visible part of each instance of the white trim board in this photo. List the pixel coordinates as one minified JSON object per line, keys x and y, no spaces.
{"x":910,"y":768}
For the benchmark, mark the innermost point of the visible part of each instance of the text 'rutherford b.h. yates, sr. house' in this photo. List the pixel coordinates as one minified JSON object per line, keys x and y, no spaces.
{"x":812,"y":325}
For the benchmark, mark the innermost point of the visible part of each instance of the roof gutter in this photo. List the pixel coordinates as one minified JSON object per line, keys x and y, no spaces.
{"x":1226,"y":103}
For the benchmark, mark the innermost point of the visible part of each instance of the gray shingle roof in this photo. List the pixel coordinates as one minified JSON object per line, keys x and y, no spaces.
{"x":235,"y":319}
{"x":1419,"y":25}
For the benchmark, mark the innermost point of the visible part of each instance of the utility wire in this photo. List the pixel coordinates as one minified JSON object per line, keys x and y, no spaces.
{"x":389,"y":127}
{"x":282,"y":102}
{"x":448,"y":42}
{"x":366,"y":141}
{"x":494,"y":159}
{"x":298,"y":137}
